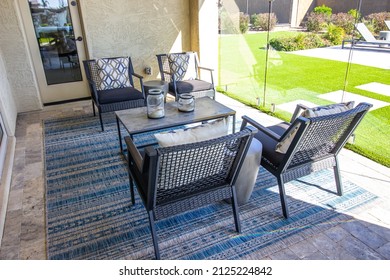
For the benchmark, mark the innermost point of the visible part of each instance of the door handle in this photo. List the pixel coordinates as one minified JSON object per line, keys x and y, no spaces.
{"x":79,"y":38}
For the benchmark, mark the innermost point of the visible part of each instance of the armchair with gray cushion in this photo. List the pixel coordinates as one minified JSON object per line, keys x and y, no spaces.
{"x":174,"y":179}
{"x":182,"y":72}
{"x":111,"y":82}
{"x":309,"y":143}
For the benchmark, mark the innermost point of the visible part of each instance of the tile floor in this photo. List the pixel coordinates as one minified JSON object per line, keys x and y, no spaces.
{"x":365,"y":236}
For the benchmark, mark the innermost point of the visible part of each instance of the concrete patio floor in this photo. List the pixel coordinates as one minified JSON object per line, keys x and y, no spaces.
{"x":365,"y":236}
{"x":375,"y":56}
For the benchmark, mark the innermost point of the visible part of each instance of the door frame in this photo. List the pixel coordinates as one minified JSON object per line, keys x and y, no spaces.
{"x":56,"y":93}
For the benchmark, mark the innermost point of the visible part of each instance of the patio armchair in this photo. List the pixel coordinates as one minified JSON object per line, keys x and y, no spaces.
{"x":309,"y":143}
{"x":174,"y":179}
{"x":369,"y":39}
{"x":182,"y":72}
{"x":111,"y":85}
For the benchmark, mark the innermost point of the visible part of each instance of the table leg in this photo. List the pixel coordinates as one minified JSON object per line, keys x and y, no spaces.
{"x":234,"y":123}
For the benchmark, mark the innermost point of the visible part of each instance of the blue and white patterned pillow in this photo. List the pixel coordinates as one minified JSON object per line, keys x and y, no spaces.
{"x":113,"y":73}
{"x":182,"y":66}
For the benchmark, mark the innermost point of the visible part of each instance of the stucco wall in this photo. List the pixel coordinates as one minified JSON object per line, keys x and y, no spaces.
{"x":140,"y":29}
{"x":20,"y":75}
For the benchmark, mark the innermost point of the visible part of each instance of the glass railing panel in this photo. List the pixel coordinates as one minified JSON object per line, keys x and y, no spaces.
{"x":307,"y":58}
{"x":368,"y":79}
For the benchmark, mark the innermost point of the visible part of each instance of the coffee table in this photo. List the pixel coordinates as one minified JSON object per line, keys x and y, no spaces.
{"x":135,"y":120}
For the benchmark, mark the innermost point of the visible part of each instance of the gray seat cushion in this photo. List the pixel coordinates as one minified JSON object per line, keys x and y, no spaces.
{"x":119,"y":95}
{"x":190,"y":86}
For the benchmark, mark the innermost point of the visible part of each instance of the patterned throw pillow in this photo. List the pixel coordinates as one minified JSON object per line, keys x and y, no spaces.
{"x":284,"y":143}
{"x":327,"y":110}
{"x":113,"y":73}
{"x":182,"y":66}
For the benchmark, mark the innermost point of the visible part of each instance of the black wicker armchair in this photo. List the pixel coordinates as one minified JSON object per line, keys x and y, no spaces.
{"x":175,"y":179}
{"x":314,"y":144}
{"x":182,"y":72}
{"x":112,"y":85}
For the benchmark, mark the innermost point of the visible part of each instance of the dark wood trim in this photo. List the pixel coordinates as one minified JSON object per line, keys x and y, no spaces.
{"x":66,"y":101}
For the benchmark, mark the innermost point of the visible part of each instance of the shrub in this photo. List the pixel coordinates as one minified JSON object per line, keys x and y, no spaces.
{"x":317,"y":22}
{"x":313,"y":41}
{"x":355,"y":14}
{"x":377,"y":20}
{"x":283,"y":44}
{"x":253,"y":19}
{"x":344,"y":20}
{"x":244,"y":22}
{"x":301,"y":41}
{"x":335,"y":34}
{"x":260,"y":21}
{"x":323,"y":10}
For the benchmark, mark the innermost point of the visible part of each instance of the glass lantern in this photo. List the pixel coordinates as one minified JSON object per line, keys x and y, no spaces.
{"x":155,"y":104}
{"x":186,"y":102}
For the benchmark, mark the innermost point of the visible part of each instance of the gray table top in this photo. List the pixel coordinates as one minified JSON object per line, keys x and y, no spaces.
{"x":136,"y":121}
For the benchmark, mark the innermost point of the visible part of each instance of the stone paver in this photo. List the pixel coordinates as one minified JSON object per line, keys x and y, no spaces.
{"x":290,"y":106}
{"x":364,"y":234}
{"x":339,"y":96}
{"x":358,"y":249}
{"x":323,"y":242}
{"x":336,"y":233}
{"x":376,"y":88}
{"x":317,"y":255}
{"x":385,"y":251}
{"x":381,"y":230}
{"x":285,"y":254}
{"x":303,"y":249}
{"x":368,"y":57}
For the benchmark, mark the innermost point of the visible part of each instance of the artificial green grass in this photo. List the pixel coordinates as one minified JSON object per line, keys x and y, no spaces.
{"x":293,"y":77}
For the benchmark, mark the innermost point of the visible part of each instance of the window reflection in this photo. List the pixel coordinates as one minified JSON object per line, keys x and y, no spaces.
{"x":54,"y":30}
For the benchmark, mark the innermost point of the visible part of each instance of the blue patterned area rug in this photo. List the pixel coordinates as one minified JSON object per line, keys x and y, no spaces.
{"x":89,"y":214}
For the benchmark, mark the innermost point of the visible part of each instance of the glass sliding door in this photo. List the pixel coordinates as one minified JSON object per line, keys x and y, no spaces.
{"x":56,"y":39}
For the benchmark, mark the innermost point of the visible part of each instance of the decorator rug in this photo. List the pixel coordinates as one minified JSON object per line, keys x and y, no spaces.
{"x":90,"y":216}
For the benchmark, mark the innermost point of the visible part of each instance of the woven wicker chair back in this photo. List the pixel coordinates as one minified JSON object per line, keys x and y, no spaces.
{"x":198,"y":166}
{"x":325,"y":134}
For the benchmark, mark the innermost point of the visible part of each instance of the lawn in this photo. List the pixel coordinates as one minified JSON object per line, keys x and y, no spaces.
{"x":293,"y":77}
